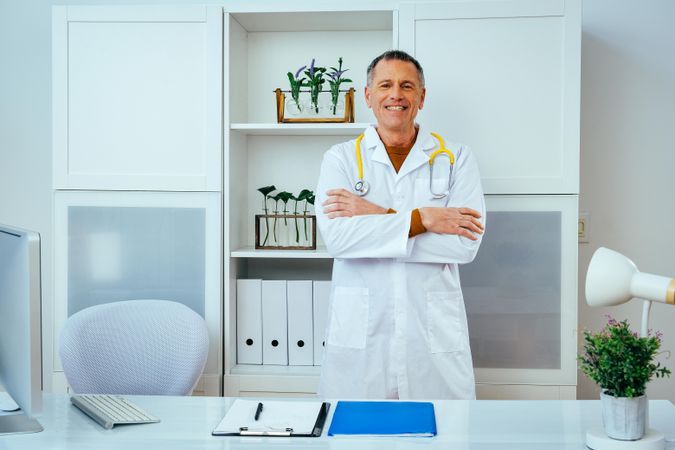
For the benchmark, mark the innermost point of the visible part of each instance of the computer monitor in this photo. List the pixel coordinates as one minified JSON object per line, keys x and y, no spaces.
{"x":20,"y":328}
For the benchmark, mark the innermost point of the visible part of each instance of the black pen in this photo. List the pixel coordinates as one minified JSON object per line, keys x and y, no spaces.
{"x":258,"y":411}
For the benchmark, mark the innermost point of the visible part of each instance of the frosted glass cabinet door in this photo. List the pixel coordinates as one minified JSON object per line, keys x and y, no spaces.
{"x":137,"y":95}
{"x":506,"y":82}
{"x":521,"y":291}
{"x":113,"y":246}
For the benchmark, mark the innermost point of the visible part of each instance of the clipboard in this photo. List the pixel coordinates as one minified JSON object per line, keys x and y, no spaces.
{"x":276,"y":419}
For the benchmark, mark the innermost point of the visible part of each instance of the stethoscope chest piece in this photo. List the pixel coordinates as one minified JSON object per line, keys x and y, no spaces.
{"x":361,"y":187}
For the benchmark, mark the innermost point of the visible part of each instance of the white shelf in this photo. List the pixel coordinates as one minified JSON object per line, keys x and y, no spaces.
{"x":272,"y":380}
{"x":251,"y":252}
{"x":295,"y":20}
{"x":260,"y":369}
{"x":300,"y":129}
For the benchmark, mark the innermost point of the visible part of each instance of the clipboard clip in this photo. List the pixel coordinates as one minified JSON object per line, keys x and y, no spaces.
{"x":244,"y":431}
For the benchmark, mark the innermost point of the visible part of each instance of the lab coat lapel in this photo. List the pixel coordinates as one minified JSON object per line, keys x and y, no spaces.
{"x":373,"y":143}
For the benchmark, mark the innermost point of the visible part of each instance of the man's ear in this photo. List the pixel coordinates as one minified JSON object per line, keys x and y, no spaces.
{"x":366,"y":94}
{"x":424,"y":93}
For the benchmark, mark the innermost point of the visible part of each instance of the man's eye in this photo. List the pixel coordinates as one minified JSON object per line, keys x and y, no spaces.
{"x":384,"y":86}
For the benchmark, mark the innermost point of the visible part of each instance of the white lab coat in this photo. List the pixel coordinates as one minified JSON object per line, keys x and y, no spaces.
{"x":397,"y":325}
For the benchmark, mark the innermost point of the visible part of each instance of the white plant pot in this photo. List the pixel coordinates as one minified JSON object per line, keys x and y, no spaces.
{"x":624,"y":418}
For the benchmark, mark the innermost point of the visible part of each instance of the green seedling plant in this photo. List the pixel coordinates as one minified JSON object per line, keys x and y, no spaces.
{"x":265,"y":191}
{"x":285,"y":197}
{"x":309,"y":200}
{"x":276,"y":199}
{"x":303,"y":195}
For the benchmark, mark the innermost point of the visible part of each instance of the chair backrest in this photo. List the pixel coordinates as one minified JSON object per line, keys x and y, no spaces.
{"x":143,"y":347}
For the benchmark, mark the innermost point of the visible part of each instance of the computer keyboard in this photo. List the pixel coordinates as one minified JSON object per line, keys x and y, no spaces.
{"x":111,"y":410}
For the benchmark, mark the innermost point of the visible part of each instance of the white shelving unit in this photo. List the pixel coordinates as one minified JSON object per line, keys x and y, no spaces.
{"x":299,"y":129}
{"x":251,"y":252}
{"x":505,"y":80}
{"x":265,"y":45}
{"x":244,"y":369}
{"x":463,"y":105}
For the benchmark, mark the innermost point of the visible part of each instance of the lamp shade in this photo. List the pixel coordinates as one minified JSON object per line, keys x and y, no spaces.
{"x":613,"y":279}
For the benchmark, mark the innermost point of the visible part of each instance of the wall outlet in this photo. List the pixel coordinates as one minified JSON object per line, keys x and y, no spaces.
{"x":584,"y":227}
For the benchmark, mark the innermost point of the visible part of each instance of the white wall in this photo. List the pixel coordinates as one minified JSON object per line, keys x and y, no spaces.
{"x":627,"y":155}
{"x":25,"y":129}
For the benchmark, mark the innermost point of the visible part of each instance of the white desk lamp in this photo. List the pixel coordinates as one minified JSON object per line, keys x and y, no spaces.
{"x":613,"y":279}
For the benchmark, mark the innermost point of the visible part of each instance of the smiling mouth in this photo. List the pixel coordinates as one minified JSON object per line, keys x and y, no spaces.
{"x":395,"y":108}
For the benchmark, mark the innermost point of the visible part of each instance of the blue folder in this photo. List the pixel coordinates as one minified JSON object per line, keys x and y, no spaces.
{"x":383,"y":418}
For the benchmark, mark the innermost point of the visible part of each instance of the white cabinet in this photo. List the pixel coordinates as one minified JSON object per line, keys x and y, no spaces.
{"x":506,"y":81}
{"x":137,"y":97}
{"x":137,"y":107}
{"x":521,"y":292}
{"x":115,"y":246}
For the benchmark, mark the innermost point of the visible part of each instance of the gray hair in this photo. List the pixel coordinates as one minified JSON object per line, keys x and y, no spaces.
{"x":397,"y":55}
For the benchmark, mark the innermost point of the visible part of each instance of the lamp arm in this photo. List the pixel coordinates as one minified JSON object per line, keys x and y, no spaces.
{"x":646,"y":307}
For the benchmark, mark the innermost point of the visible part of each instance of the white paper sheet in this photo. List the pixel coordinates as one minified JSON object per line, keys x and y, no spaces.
{"x":275,"y":416}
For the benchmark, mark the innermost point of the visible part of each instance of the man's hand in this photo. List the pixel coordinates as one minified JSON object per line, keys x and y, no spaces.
{"x":342,"y":203}
{"x":459,"y":221}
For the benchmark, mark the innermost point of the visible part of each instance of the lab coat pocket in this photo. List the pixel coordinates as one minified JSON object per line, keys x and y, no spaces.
{"x":444,"y":330}
{"x":349,"y":317}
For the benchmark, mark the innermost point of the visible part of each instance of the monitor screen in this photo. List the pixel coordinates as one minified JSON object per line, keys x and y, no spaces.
{"x":20,"y":327}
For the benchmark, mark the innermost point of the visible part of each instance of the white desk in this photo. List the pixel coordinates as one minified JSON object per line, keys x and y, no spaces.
{"x":476,"y":425}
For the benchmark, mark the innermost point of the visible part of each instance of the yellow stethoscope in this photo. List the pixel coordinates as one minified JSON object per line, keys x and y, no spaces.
{"x":362,"y":187}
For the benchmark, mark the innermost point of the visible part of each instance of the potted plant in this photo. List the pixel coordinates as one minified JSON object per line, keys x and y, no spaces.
{"x":622,"y":363}
{"x":316,"y":109}
{"x":271,"y":233}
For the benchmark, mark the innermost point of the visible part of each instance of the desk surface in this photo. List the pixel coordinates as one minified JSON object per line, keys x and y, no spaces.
{"x":187,"y":423}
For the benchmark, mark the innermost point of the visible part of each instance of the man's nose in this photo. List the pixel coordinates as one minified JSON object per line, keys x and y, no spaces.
{"x":396,"y":92}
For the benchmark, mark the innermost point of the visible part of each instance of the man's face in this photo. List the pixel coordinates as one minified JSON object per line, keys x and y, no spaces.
{"x":395,"y":95}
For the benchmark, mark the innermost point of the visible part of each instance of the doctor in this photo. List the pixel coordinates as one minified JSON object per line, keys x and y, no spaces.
{"x":397,"y":327}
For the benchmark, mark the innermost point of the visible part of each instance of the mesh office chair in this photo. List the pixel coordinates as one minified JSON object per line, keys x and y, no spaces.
{"x":143,"y":347}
